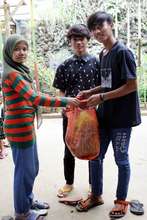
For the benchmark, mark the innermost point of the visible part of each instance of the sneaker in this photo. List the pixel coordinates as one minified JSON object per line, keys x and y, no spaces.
{"x":39,"y":205}
{"x":31,"y":215}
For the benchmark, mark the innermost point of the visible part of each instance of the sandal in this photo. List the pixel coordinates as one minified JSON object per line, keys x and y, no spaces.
{"x":119,"y":210}
{"x":136,"y":207}
{"x":39,"y":205}
{"x":90,"y":202}
{"x":64,"y":191}
{"x":73,"y":201}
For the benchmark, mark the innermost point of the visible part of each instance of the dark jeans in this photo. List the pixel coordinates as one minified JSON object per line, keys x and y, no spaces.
{"x":69,"y":160}
{"x":120,"y":139}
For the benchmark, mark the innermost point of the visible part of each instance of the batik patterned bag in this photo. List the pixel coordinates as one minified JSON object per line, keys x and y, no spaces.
{"x":82,"y":135}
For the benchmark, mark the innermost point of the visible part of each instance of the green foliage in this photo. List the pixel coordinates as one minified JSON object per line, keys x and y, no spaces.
{"x":45,"y":74}
{"x":142,"y":78}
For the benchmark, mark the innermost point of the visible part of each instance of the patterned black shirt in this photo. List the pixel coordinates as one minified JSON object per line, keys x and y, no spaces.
{"x":76,"y":74}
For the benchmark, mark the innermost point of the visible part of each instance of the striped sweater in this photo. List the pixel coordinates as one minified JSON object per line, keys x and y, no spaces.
{"x":20,"y":104}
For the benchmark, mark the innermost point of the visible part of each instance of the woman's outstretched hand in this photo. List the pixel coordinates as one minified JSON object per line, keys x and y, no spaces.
{"x":73,"y":101}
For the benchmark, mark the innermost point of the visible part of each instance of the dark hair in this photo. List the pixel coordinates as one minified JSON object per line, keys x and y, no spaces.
{"x":78,"y":30}
{"x":98,"y":18}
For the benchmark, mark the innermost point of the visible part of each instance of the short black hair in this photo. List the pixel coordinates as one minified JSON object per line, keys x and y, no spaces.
{"x":98,"y":18}
{"x":78,"y":30}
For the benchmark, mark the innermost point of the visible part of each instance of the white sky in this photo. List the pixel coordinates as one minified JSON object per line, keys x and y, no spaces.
{"x":23,"y":12}
{"x":35,"y":1}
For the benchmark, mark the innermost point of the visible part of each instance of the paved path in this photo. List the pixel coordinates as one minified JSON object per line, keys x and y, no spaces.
{"x":50,"y":147}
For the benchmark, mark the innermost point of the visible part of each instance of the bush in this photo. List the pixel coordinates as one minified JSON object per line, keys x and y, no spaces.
{"x":45,"y":76}
{"x":142,"y":78}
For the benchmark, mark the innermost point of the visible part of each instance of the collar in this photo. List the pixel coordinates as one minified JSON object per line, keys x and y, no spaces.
{"x":85,"y":58}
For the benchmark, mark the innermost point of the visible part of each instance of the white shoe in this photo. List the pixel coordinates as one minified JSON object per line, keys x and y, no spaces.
{"x":31,"y":215}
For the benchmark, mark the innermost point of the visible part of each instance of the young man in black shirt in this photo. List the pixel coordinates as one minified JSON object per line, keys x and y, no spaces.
{"x":77,"y":73}
{"x":118,"y":111}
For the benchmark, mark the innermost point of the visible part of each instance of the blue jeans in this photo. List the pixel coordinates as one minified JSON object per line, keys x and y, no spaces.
{"x":26,"y":169}
{"x":120,"y":141}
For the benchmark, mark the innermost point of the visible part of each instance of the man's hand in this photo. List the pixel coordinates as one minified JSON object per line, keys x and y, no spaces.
{"x":85,"y":94}
{"x":94,"y":100}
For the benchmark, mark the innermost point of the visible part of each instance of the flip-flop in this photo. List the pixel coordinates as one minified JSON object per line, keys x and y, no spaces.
{"x":63,"y":192}
{"x":136,"y":207}
{"x":73,"y":201}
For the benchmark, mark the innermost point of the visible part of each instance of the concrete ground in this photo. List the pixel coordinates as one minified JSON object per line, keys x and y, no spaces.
{"x":50,"y":178}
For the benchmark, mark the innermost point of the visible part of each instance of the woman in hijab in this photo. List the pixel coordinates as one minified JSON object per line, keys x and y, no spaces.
{"x":20,"y":105}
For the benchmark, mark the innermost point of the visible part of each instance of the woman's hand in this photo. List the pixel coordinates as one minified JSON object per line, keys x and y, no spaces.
{"x":73,"y":101}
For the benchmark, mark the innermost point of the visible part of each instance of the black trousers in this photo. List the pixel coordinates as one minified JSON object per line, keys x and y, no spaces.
{"x":69,"y":160}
